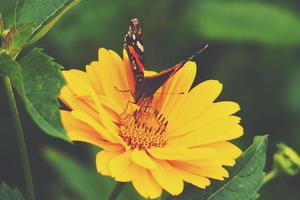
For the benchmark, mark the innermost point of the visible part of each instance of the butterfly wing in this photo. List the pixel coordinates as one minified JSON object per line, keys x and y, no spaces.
{"x":153,"y":83}
{"x":133,"y":44}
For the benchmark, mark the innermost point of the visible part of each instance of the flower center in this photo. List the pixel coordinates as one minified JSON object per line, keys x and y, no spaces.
{"x":144,"y":128}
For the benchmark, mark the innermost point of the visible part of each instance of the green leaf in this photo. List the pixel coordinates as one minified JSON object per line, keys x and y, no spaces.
{"x":43,"y":14}
{"x":245,"y":178}
{"x":84,"y":181}
{"x":42,"y":80}
{"x":38,"y":81}
{"x":7,"y":193}
{"x":245,"y":21}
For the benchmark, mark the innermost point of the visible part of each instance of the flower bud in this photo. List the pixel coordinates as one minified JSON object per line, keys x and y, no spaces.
{"x":287,"y":160}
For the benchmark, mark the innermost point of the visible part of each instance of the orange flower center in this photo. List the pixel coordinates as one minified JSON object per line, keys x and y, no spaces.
{"x":144,"y":128}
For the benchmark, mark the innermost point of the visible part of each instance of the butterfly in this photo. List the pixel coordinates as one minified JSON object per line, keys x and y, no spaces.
{"x":146,"y":86}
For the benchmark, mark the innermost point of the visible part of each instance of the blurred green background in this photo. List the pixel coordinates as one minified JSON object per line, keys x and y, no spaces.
{"x":253,"y":50}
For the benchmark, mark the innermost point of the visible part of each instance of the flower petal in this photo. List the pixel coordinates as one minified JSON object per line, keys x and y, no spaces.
{"x":146,"y":185}
{"x":227,"y":152}
{"x":226,"y":128}
{"x":179,"y":153}
{"x":213,"y":112}
{"x":92,"y":71}
{"x":122,"y":168}
{"x":102,"y":161}
{"x":140,"y":157}
{"x":84,"y":117}
{"x":76,"y":81}
{"x":105,"y":117}
{"x":178,"y":83}
{"x":70,"y":123}
{"x":168,"y":178}
{"x":75,"y":103}
{"x":197,"y":180}
{"x":129,"y":74}
{"x":94,"y":139}
{"x":80,"y":131}
{"x":196,"y":101}
{"x":111,"y":77}
{"x":215,"y":172}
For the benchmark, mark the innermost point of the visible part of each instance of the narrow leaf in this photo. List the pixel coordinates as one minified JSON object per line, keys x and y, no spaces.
{"x":245,"y":21}
{"x":245,"y":178}
{"x":84,"y":181}
{"x":7,"y":193}
{"x":43,"y":14}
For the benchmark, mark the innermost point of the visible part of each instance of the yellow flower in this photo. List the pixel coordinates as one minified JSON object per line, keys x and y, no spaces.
{"x":180,"y":137}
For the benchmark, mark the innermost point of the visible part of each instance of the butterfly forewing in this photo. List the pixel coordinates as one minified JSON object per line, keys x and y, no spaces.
{"x":145,"y":87}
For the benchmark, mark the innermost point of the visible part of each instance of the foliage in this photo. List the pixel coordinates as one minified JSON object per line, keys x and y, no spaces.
{"x":37,"y":79}
{"x":43,"y":14}
{"x":253,"y":49}
{"x":7,"y":193}
{"x":246,"y":21}
{"x":82,"y":180}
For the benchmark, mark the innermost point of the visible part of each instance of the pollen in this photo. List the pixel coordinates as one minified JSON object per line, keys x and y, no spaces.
{"x":144,"y":128}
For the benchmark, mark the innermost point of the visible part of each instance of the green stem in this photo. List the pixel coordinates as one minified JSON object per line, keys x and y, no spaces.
{"x":20,"y":138}
{"x":117,"y":190}
{"x":271,"y":175}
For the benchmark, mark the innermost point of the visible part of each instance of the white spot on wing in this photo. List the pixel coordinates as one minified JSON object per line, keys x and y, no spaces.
{"x":140,"y":46}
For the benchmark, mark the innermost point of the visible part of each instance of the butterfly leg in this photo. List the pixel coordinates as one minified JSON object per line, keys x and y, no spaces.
{"x":124,"y":90}
{"x":127,"y":105}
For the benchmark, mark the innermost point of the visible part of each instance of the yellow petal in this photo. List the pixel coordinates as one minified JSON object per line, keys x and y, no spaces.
{"x":218,"y":173}
{"x":122,"y":168}
{"x":105,"y":117}
{"x":70,"y":123}
{"x":75,"y":103}
{"x":111,"y":77}
{"x":140,"y":157}
{"x":146,"y":185}
{"x":84,"y":117}
{"x":92,"y":72}
{"x":178,"y":83}
{"x":195,"y":102}
{"x":76,"y":81}
{"x":226,"y":128}
{"x":179,"y":153}
{"x":227,"y":152}
{"x":168,"y":178}
{"x":197,"y":180}
{"x":95,"y":139}
{"x":213,"y":112}
{"x":102,"y":161}
{"x":129,"y":74}
{"x":215,"y":172}
{"x":79,"y":131}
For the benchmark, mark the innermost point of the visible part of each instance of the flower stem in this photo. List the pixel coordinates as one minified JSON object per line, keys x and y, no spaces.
{"x":117,"y":190}
{"x":20,"y":138}
{"x":271,"y":175}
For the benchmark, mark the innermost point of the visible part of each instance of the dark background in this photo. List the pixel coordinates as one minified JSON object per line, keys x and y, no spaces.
{"x":253,"y":50}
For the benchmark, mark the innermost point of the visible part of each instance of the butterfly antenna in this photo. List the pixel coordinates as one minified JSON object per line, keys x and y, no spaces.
{"x":196,"y":54}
